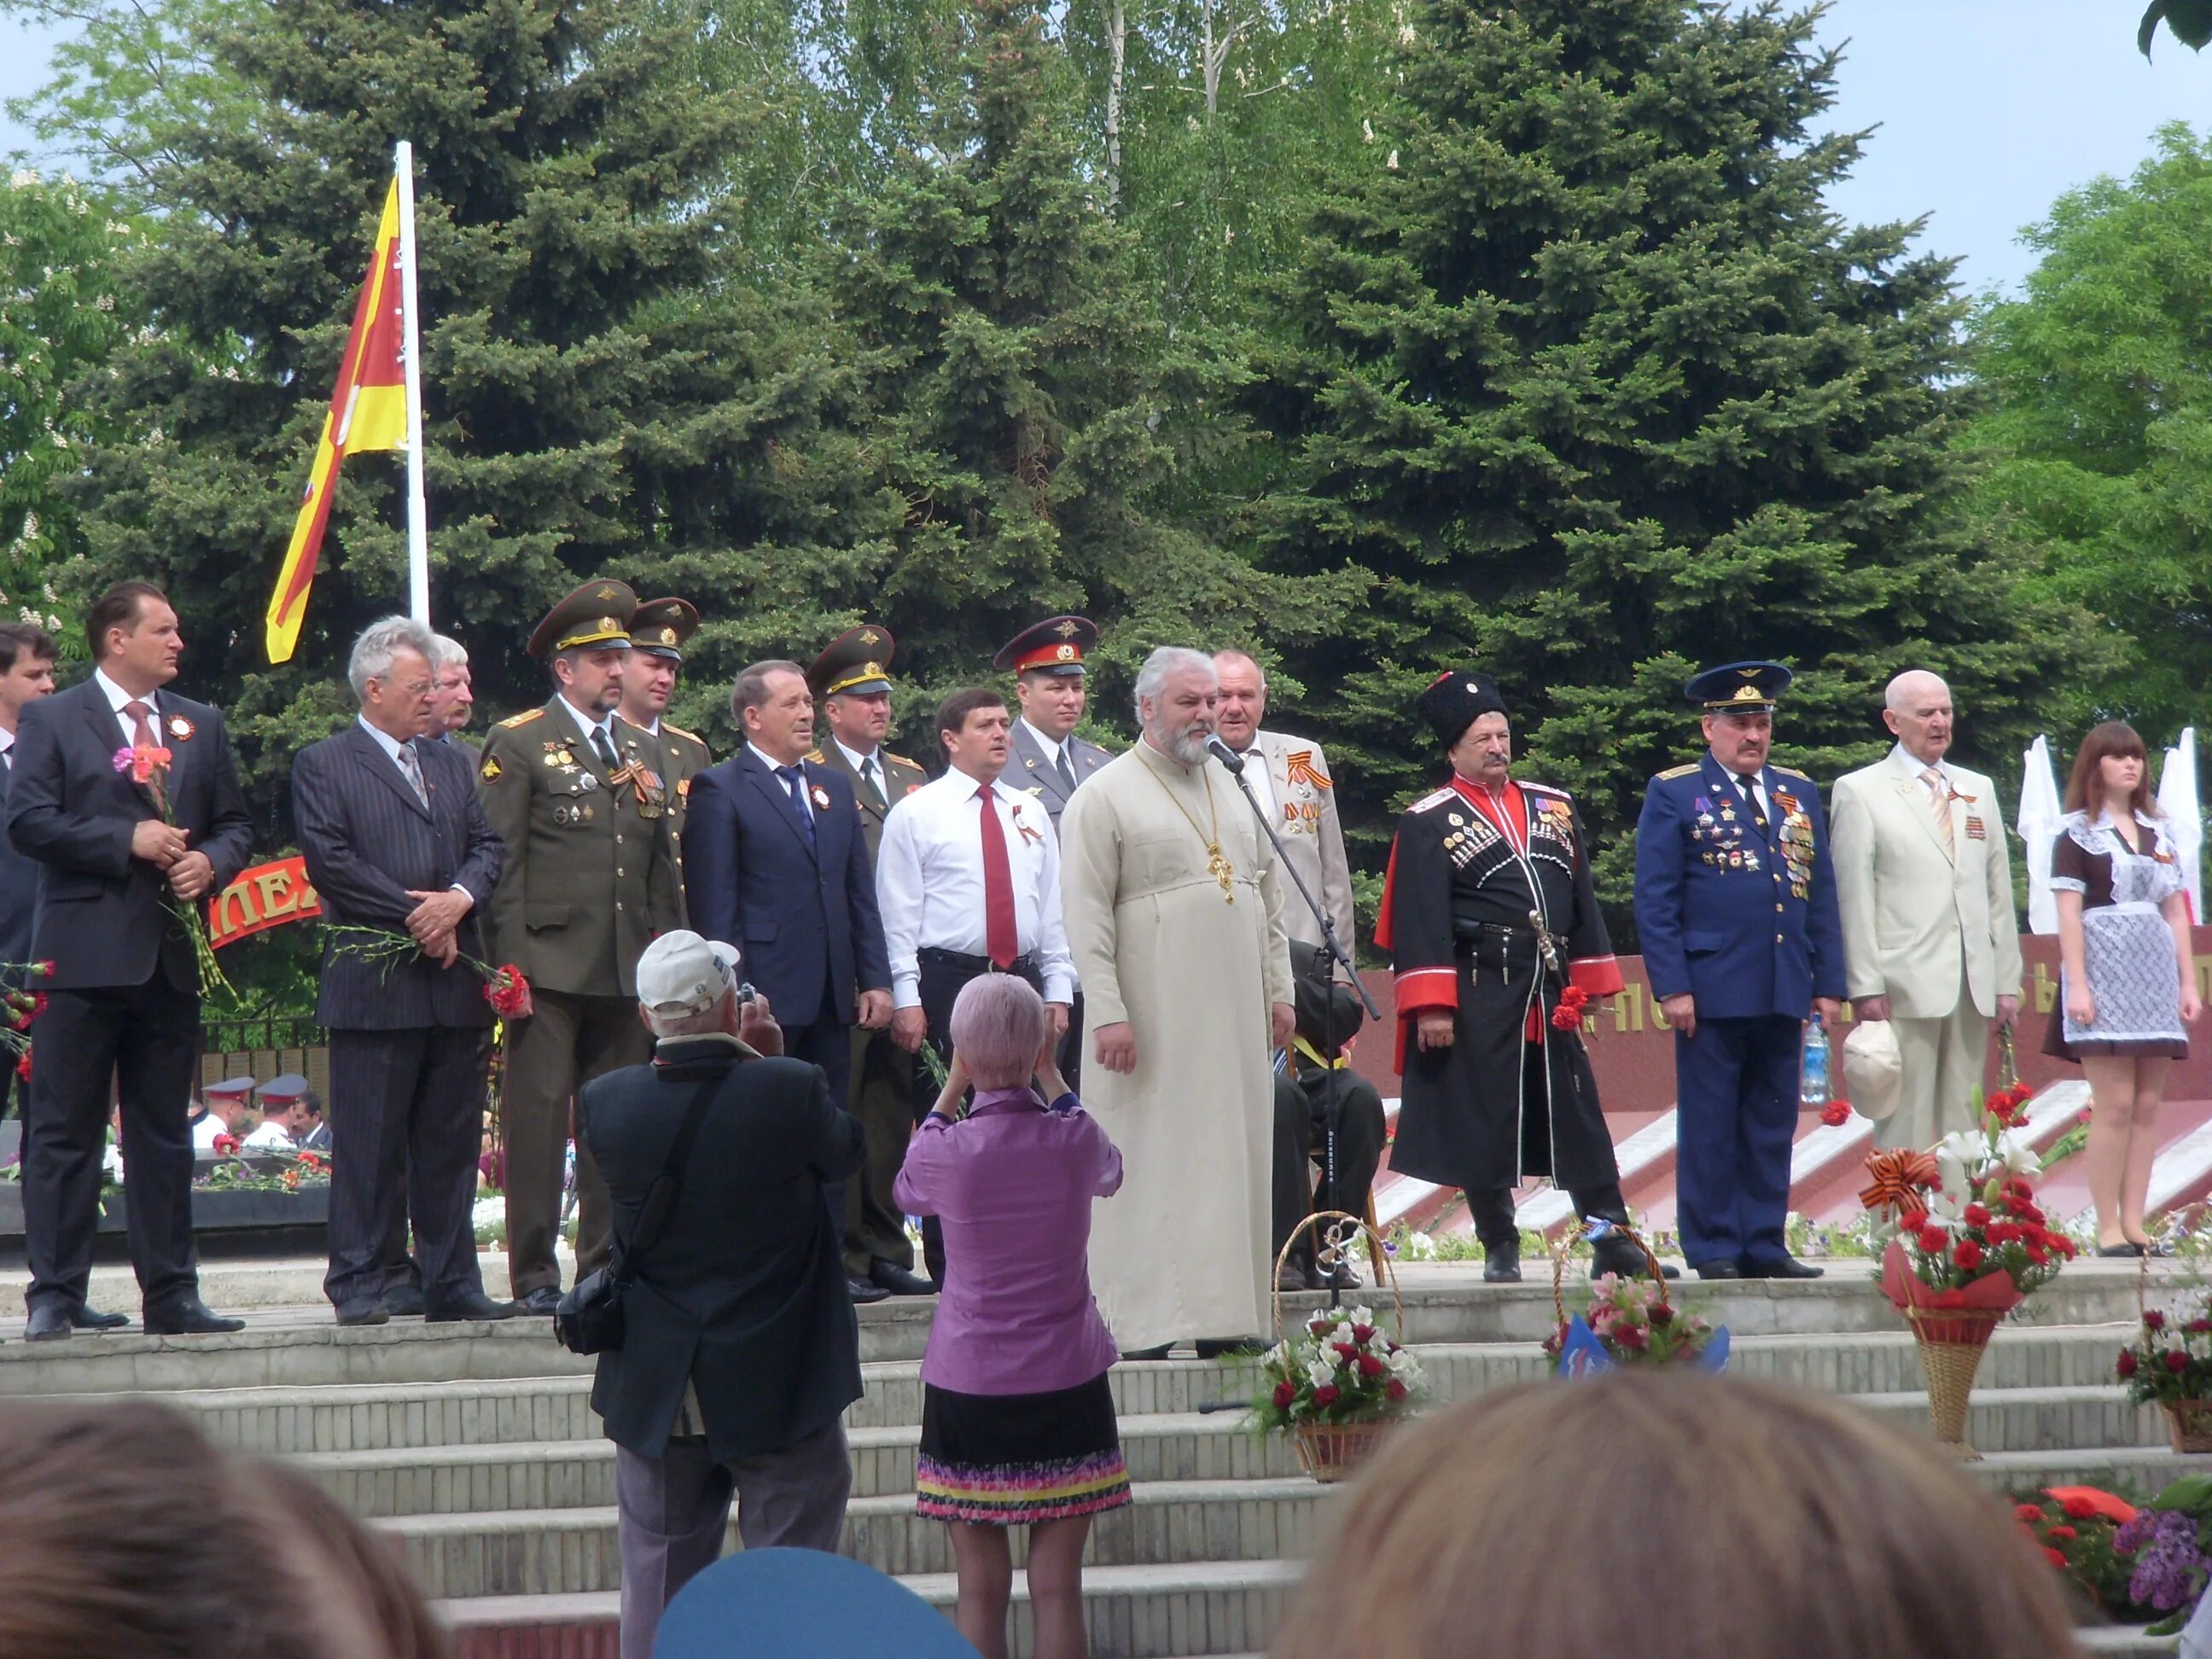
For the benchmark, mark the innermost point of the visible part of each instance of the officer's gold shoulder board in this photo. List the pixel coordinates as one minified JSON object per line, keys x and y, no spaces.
{"x":901,"y":760}
{"x":1428,"y":802}
{"x":678,"y":731}
{"x":490,"y":769}
{"x":523,"y":719}
{"x":817,"y":758}
{"x":1792,"y":772}
{"x":1677,"y":772}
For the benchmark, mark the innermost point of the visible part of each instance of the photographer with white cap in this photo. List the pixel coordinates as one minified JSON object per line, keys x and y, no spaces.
{"x":739,"y":1350}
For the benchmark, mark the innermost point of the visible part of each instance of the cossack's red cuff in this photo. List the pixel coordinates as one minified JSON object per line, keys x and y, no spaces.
{"x":1420,"y":989}
{"x":1598,"y":976}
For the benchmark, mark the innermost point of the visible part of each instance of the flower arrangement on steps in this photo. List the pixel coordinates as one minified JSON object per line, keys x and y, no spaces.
{"x":1338,"y":1384}
{"x":1628,"y":1321}
{"x":2170,"y":1363}
{"x":1963,"y":1244}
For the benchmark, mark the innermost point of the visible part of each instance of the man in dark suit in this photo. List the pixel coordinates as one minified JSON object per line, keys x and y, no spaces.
{"x":119,"y":858}
{"x":27,"y":673}
{"x":775,"y":864}
{"x":396,"y":838}
{"x":739,"y":1351}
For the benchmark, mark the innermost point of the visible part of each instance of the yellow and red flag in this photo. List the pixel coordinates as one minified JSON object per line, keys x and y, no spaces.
{"x":368,"y":410}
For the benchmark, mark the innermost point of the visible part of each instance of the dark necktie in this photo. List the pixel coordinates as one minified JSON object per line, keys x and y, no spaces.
{"x":792,"y":781}
{"x":868,"y":782}
{"x":1002,"y":941}
{"x":604,"y":747}
{"x":1066,"y":771}
{"x":1748,"y":781}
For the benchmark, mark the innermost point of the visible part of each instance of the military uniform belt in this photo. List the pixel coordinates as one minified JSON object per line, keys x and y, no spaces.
{"x":1024,"y":964}
{"x":1467,"y":934}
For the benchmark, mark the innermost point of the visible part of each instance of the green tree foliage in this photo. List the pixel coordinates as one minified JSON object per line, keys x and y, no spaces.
{"x":599,"y":397}
{"x":58,"y":321}
{"x":1025,"y":410}
{"x":2098,"y":429}
{"x":1598,"y":391}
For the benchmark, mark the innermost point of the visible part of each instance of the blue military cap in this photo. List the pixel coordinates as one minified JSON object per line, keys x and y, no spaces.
{"x":802,"y":1604}
{"x":231,"y":1088}
{"x":1739,"y":688}
{"x":283,"y":1088}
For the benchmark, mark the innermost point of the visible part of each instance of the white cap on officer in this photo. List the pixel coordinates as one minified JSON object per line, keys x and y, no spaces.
{"x":681,"y":973}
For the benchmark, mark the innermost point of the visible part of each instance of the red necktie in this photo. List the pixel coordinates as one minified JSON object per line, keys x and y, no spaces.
{"x":142,"y":733}
{"x":1001,"y":938}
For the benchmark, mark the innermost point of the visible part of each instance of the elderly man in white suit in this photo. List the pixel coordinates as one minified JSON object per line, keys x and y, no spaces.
{"x":1930,"y":940}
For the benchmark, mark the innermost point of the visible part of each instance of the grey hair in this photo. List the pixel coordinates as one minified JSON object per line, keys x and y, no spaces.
{"x":998,"y":1027}
{"x":1894,"y":694}
{"x":705,"y":1023}
{"x":1170,"y":659}
{"x":446,"y":653}
{"x":750,"y":690}
{"x":380,"y":643}
{"x":1230,"y":652}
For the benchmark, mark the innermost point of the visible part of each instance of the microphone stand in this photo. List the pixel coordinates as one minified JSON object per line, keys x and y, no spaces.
{"x":1233,"y":764}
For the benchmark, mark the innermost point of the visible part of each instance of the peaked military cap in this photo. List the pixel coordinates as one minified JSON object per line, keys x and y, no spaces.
{"x":856,"y":662}
{"x":231,"y":1088}
{"x":596,"y":614}
{"x":1054,"y":646}
{"x":283,"y":1088}
{"x":1455,"y":699}
{"x":659,"y":627}
{"x":1739,"y":688}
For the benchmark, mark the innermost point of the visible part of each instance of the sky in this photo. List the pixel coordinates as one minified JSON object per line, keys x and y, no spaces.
{"x":1984,"y":111}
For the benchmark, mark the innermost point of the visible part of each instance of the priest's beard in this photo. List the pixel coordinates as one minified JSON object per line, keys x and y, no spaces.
{"x":1186,"y":746}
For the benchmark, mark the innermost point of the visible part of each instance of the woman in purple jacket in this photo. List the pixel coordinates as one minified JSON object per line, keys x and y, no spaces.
{"x":1017,"y":1419}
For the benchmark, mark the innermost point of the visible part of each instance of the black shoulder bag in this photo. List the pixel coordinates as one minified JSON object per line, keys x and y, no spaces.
{"x":589,"y":1320}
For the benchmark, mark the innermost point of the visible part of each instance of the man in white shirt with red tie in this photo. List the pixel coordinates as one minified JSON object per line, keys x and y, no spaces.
{"x":967,"y":881}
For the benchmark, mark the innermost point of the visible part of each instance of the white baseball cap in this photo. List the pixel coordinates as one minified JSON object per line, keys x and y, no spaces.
{"x":680,"y":973}
{"x":1874,"y":1069}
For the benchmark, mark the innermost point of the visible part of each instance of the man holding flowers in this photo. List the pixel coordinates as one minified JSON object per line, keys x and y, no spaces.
{"x":127,"y":796}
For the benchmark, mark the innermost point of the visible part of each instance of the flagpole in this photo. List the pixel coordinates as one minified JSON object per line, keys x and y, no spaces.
{"x":418,"y":511}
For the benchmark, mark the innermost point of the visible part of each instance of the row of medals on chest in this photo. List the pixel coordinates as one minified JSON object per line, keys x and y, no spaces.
{"x":1727,"y":830}
{"x":643,"y":781}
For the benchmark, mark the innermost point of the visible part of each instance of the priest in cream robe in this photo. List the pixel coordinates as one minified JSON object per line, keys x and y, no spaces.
{"x":1175,"y":918}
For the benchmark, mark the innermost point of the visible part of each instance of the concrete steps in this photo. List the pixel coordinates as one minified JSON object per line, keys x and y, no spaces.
{"x":475,"y":1446}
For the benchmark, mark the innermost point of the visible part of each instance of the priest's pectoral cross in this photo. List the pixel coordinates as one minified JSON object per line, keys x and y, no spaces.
{"x":1221,"y":870}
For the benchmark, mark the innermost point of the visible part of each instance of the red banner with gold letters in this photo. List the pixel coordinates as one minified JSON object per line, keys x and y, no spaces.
{"x":267,"y":896}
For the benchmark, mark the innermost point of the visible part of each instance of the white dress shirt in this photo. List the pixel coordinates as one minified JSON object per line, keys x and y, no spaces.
{"x":586,"y":726}
{"x":929,"y":882}
{"x":8,"y":749}
{"x":117,"y":696}
{"x":390,"y":745}
{"x":1052,"y":746}
{"x":860,"y":763}
{"x":270,"y":1137}
{"x":775,"y":768}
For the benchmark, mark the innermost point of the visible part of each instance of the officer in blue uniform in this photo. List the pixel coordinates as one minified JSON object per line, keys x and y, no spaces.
{"x":1736,"y":908}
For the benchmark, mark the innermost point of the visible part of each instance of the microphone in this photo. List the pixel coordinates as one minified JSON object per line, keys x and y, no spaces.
{"x":1221,"y":751}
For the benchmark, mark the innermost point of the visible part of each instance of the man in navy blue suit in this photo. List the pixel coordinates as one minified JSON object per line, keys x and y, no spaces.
{"x":1736,"y":912}
{"x":775,"y":864}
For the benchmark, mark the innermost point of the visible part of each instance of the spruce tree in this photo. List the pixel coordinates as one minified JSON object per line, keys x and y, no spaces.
{"x":1028,"y":411}
{"x":603,"y":393}
{"x":1587,"y":377}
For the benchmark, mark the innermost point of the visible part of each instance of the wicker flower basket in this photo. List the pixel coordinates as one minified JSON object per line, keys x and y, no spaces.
{"x":1330,"y":1452}
{"x":2189,"y":1423}
{"x":1951,"y":1343}
{"x":1334,"y":1451}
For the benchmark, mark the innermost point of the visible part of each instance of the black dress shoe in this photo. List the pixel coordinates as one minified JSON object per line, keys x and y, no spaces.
{"x":83,"y":1318}
{"x":1292,"y":1276}
{"x":187,"y":1316}
{"x":1502,"y":1265}
{"x":47,"y":1323}
{"x":863,"y":1291}
{"x":1717,"y":1269}
{"x":1230,"y":1348}
{"x":364,"y":1310}
{"x":471,"y":1309}
{"x":1787,"y":1267}
{"x":545,"y":1300}
{"x":899,"y":1281}
{"x":403,"y":1301}
{"x":2126,"y":1248}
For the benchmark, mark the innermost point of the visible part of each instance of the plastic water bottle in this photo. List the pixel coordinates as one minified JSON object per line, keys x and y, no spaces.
{"x":1812,"y":1089}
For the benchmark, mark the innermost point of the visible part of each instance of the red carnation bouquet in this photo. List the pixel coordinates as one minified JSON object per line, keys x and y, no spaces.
{"x":505,"y":987}
{"x":19,"y":1007}
{"x":1339,"y":1368}
{"x":2171,"y":1359}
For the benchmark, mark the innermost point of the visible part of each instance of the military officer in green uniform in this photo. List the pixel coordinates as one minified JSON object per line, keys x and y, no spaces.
{"x":851,"y":681}
{"x":658,"y":629}
{"x":581,"y":797}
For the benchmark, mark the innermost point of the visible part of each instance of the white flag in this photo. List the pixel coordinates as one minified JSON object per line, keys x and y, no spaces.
{"x":2177,"y":798}
{"x":2037,"y":824}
